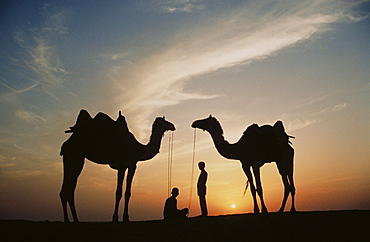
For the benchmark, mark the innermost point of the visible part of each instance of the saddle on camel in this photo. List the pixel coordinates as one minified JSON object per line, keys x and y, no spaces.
{"x":101,"y":131}
{"x":100,"y":123}
{"x":264,"y":140}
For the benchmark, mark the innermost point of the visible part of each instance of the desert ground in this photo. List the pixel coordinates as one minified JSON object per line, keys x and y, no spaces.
{"x":352,"y":225}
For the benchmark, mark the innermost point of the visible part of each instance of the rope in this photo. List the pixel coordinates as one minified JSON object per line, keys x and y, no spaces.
{"x":169,"y":164}
{"x":192,"y":169}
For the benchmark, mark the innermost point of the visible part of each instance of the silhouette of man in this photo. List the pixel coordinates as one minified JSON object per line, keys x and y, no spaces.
{"x":170,"y":210}
{"x":202,"y":188}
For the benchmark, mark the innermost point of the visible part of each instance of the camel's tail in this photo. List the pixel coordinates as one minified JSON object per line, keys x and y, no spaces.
{"x":246,"y":187}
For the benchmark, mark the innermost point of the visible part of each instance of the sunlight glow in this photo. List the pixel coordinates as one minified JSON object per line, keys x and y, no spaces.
{"x":244,"y":62}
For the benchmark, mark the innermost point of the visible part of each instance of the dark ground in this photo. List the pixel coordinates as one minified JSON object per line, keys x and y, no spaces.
{"x":351,"y":225}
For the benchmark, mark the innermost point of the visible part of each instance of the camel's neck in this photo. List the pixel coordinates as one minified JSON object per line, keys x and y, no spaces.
{"x":152,"y":148}
{"x":223,"y":147}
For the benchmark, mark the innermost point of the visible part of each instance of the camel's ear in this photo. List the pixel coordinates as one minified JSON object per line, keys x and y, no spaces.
{"x":164,"y":117}
{"x":119,"y":113}
{"x":210,"y":116}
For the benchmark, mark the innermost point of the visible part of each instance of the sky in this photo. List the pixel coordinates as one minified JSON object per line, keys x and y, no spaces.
{"x":305,"y":62}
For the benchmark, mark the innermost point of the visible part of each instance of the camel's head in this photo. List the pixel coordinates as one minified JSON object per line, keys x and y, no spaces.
{"x":209,"y":124}
{"x":162,"y":125}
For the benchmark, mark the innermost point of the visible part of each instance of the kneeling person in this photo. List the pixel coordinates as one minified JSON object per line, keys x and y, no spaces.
{"x":170,"y":210}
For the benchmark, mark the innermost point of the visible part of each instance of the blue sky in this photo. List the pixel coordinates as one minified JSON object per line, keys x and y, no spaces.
{"x":304,"y":62}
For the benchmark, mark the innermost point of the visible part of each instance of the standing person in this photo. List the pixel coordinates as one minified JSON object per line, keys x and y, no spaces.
{"x":170,"y":210}
{"x":202,"y":188}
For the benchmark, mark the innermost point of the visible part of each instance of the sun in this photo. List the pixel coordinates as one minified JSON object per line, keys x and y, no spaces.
{"x":233,"y":206}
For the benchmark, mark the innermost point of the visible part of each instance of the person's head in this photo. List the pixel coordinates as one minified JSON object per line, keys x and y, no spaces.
{"x":201,"y":165}
{"x":175,"y":192}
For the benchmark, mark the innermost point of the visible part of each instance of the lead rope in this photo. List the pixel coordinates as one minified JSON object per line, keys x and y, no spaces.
{"x":192,"y":169}
{"x":169,"y":164}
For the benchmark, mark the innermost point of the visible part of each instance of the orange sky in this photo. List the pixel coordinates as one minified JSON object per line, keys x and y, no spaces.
{"x":303,"y":62}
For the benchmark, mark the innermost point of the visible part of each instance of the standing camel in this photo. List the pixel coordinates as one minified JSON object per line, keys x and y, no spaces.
{"x":104,"y":141}
{"x":257,"y":146}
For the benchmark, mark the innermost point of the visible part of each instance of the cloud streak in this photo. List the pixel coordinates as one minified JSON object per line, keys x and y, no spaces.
{"x":47,"y":64}
{"x":40,"y":45}
{"x":173,"y":6}
{"x":30,"y":117}
{"x":336,"y":108}
{"x":254,"y":32}
{"x":298,"y":121}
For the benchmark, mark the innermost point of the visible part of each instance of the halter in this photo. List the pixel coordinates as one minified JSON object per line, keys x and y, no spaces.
{"x":169,"y":164}
{"x":192,"y":169}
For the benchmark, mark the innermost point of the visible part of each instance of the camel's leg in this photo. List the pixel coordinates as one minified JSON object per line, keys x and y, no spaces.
{"x":72,"y":169}
{"x":246,"y":169}
{"x":285,"y":168}
{"x":130,"y":176}
{"x":290,"y":177}
{"x":257,"y":176}
{"x":286,"y":192}
{"x":63,"y":199}
{"x":120,"y":176}
{"x":292,"y":191}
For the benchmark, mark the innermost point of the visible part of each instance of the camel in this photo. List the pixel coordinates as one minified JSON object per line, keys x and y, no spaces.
{"x":104,"y":141}
{"x":257,"y":146}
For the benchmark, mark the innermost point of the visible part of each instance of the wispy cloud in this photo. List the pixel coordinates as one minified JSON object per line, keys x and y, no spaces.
{"x":28,"y":116}
{"x":336,"y":108}
{"x":40,"y":44}
{"x":171,"y":6}
{"x":47,"y":64}
{"x":298,"y":121}
{"x":18,"y":90}
{"x":319,"y":98}
{"x":253,"y":32}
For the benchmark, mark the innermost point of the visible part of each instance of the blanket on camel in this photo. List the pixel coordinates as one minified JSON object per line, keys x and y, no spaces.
{"x":100,"y":133}
{"x":262,"y":142}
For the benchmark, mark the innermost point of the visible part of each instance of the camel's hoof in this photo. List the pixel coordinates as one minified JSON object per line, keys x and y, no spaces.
{"x":265,"y":211}
{"x":125,"y":219}
{"x":115,"y":219}
{"x":292,"y":210}
{"x":76,"y":221}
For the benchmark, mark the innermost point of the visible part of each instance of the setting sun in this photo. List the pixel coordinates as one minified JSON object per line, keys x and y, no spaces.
{"x":233,"y":206}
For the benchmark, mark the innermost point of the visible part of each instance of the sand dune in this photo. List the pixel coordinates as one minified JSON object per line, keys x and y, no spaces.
{"x":351,"y":225}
